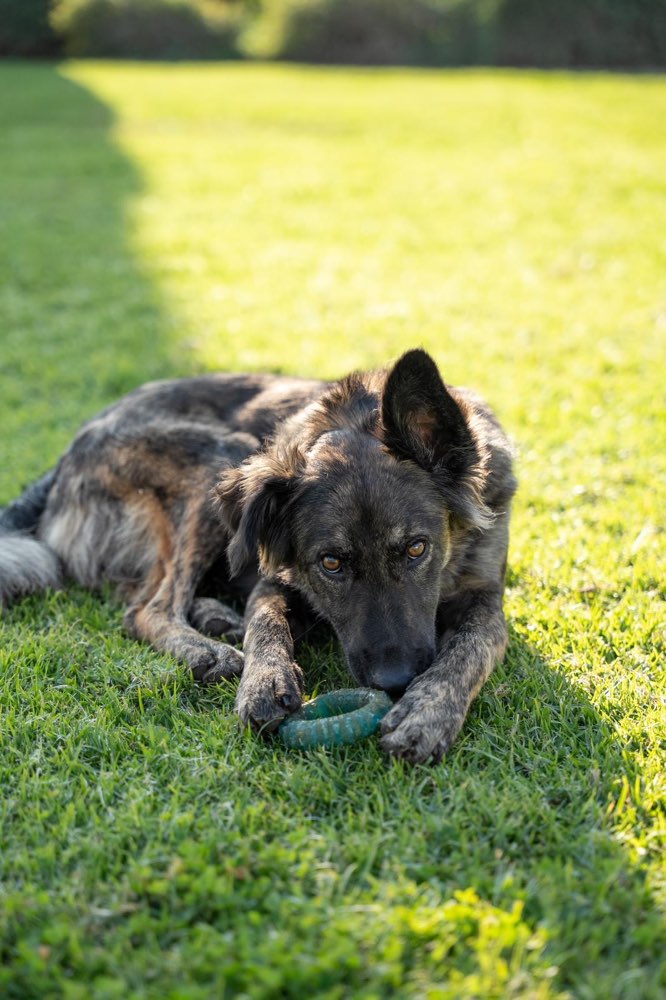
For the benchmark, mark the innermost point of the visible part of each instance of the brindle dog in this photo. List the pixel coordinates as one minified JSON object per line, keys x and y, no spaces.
{"x":379,"y":503}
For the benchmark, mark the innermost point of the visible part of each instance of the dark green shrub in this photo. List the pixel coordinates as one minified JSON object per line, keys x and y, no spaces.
{"x":147,"y":29}
{"x":25,"y":29}
{"x":549,"y":33}
{"x":603,"y":33}
{"x":429,"y":32}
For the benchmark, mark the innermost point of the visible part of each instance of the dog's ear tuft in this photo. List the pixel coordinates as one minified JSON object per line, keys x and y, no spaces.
{"x":423,"y":422}
{"x":254,"y":501}
{"x":227,"y":497}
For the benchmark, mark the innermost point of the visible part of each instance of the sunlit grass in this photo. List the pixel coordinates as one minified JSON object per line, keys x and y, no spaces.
{"x":160,"y":220}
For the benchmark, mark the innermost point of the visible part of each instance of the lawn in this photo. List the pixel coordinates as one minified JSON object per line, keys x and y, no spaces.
{"x":160,"y":220}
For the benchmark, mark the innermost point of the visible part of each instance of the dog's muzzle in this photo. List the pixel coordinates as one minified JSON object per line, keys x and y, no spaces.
{"x":390,"y":669}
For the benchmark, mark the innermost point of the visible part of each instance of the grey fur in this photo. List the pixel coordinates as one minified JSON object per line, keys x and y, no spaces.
{"x":26,"y":565}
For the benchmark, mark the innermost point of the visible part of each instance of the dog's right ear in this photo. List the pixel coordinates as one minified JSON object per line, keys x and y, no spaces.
{"x":254,"y":501}
{"x":424,"y":423}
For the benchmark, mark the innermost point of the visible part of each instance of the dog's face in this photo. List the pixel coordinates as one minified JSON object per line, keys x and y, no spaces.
{"x":357,"y":515}
{"x":369,"y":541}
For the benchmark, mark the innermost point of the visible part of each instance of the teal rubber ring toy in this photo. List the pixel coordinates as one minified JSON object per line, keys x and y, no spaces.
{"x":335,"y":719}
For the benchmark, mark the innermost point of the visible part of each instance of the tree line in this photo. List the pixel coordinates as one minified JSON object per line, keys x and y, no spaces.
{"x":613,"y":34}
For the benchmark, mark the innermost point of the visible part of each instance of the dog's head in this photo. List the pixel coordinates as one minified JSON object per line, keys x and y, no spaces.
{"x":356,"y":505}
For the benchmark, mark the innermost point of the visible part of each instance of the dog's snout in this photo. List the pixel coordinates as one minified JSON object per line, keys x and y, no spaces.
{"x":392,"y":680}
{"x":391,"y":668}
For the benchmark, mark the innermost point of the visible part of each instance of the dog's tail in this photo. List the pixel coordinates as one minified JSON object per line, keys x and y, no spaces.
{"x":26,"y":563}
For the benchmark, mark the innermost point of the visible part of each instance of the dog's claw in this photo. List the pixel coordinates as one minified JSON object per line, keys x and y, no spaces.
{"x":217,"y":663}
{"x":290,"y":701}
{"x":394,"y":717}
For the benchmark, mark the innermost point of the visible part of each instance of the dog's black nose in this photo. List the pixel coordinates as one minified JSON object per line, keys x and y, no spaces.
{"x":393,"y":681}
{"x":389,"y":668}
{"x":394,"y":668}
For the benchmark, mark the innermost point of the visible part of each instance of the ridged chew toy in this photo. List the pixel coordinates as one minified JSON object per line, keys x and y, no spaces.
{"x":336,"y":718}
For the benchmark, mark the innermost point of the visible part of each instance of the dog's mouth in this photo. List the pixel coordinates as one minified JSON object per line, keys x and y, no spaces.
{"x":392,"y":677}
{"x":395,"y":693}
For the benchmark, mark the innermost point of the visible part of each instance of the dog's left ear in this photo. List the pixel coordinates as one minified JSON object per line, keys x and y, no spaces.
{"x":423,"y":422}
{"x":254,"y":502}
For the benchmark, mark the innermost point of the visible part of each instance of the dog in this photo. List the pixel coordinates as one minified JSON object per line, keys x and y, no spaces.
{"x":379,"y":503}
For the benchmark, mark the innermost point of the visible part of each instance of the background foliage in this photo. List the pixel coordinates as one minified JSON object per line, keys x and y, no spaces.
{"x":549,"y":33}
{"x":25,"y":29}
{"x":147,"y":29}
{"x":462,"y":32}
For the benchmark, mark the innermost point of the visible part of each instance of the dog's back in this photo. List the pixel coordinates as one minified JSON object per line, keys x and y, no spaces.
{"x":92,"y":517}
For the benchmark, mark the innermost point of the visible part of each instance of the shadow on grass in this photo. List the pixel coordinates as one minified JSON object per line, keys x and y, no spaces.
{"x":567,"y":818}
{"x":81,"y":322}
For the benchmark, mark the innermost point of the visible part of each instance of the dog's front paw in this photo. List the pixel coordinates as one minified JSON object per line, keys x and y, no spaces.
{"x":423,"y":724}
{"x":213,"y":662}
{"x":267,"y":694}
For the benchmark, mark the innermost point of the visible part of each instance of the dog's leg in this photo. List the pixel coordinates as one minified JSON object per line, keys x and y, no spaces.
{"x":272,"y":683}
{"x":160,"y":614}
{"x":429,"y":716}
{"x":211,"y":617}
{"x":163,"y":623}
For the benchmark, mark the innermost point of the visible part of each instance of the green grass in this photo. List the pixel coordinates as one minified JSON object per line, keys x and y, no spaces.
{"x":160,"y":220}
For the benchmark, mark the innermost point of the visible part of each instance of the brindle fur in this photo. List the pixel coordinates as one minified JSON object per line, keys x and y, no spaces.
{"x":236,"y":485}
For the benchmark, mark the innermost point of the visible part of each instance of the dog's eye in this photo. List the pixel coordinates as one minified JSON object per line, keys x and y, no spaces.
{"x":331,"y":563}
{"x":417,"y":548}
